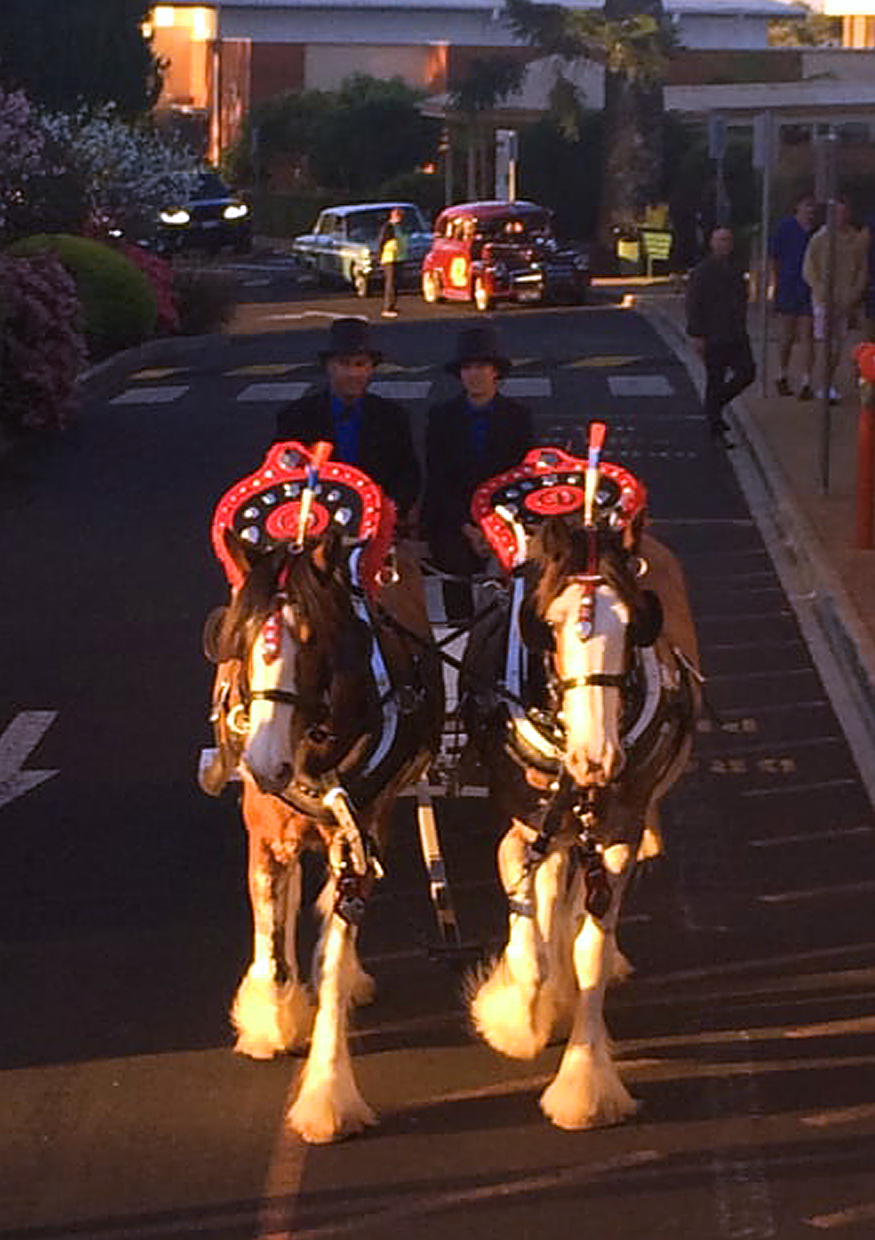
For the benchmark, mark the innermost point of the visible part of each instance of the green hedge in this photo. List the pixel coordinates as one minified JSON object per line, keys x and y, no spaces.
{"x":118,"y":301}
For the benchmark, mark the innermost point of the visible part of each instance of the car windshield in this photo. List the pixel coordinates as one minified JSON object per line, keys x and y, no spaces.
{"x":514,"y":228}
{"x":366,"y":225}
{"x":208,"y":185}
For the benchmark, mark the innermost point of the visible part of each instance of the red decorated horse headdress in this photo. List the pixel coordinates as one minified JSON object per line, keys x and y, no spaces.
{"x":298,"y":493}
{"x":549,"y":482}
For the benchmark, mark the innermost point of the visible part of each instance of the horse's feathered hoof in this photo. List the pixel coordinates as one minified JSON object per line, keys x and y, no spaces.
{"x":270,"y":1018}
{"x":320,"y":1119}
{"x":516,"y":1021}
{"x":587,"y":1092}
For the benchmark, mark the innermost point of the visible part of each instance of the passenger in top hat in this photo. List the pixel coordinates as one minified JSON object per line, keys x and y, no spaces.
{"x":366,"y":430}
{"x":476,"y":435}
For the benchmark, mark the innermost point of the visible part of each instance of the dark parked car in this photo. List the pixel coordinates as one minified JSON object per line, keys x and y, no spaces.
{"x":487,"y":252}
{"x":212,"y":216}
{"x":343,"y":245}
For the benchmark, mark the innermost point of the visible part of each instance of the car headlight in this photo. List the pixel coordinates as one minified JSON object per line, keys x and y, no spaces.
{"x":235,"y":211}
{"x":175,"y":217}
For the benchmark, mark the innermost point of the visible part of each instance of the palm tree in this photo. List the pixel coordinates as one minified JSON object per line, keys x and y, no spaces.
{"x":473,"y":94}
{"x":632,"y":39}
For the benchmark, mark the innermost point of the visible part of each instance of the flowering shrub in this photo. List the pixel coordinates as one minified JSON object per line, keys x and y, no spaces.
{"x":160,"y":275}
{"x":119,"y":307}
{"x":128,"y":172}
{"x":21,"y":149}
{"x":41,"y":346}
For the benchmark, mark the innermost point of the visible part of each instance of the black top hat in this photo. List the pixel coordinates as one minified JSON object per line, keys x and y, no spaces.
{"x":349,"y":336}
{"x":479,"y":344}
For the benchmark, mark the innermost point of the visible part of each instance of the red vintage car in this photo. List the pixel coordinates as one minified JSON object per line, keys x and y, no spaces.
{"x":488,"y":252}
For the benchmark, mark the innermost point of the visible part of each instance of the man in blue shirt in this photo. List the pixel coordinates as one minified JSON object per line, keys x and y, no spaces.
{"x":792,"y":296}
{"x":367,"y":430}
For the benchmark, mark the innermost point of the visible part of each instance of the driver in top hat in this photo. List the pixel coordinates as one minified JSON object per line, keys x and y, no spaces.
{"x":367,"y":430}
{"x":474,"y":436}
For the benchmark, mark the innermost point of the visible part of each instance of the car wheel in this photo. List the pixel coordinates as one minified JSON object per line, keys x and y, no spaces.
{"x":482,"y":300}
{"x":360,"y":283}
{"x":431,"y":287}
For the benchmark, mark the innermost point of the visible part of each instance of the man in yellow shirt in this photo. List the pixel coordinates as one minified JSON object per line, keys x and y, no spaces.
{"x":391,"y":247}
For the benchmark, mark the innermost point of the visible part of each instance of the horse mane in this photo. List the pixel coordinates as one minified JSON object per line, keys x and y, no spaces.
{"x":312,"y":581}
{"x":559,"y":550}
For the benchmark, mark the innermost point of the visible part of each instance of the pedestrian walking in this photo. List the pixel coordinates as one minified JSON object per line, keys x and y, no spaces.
{"x":849,"y":278}
{"x":717,"y":325}
{"x":792,"y":296}
{"x":391,"y":246}
{"x":472,"y":437}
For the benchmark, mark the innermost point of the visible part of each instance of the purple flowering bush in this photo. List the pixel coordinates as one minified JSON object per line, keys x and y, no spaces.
{"x":42,"y":351}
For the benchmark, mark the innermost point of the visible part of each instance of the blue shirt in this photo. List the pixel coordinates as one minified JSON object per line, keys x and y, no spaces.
{"x":787,"y":250}
{"x":479,"y":415}
{"x":347,"y":421}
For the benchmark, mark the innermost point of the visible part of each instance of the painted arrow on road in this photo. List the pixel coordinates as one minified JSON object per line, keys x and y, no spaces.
{"x":17,"y":743}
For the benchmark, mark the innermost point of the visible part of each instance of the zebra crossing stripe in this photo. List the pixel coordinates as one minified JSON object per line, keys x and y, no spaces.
{"x":640,"y":385}
{"x":273,"y":391}
{"x":532,"y":385}
{"x":401,"y":389}
{"x":163,"y":395}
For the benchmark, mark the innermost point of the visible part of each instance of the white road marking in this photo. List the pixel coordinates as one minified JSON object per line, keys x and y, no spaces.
{"x":640,"y":385}
{"x":422,"y":1204}
{"x":809,"y":837}
{"x":16,"y":745}
{"x":842,"y":1218}
{"x":273,"y":391}
{"x":163,"y":395}
{"x":818,"y":893}
{"x":841,"y":1115}
{"x":401,"y":389}
{"x":524,"y":385}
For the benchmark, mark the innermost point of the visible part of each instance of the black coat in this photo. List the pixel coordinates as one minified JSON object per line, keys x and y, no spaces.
{"x":452,"y":474}
{"x":385,"y":443}
{"x":717,"y":300}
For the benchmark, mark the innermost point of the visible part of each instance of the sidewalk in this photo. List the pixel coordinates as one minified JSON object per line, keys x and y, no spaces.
{"x":810,"y":533}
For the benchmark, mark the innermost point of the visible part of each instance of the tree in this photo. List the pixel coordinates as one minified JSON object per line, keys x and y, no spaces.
{"x":632,"y":39}
{"x":474,"y":92}
{"x":346,"y":142}
{"x":816,"y":29}
{"x":70,"y":53}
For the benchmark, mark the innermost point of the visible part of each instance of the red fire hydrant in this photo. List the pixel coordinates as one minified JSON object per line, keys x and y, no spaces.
{"x":864,"y":356}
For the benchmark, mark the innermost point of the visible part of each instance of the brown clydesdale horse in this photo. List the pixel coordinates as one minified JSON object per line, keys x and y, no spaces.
{"x":328,"y":710}
{"x":583,"y":710}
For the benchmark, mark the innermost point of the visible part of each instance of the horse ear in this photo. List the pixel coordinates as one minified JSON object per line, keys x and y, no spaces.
{"x":242,"y":553}
{"x":554,"y":538}
{"x":327,"y":554}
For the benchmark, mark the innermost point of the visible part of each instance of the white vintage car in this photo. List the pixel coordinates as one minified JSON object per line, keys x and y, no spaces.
{"x":342,"y":247}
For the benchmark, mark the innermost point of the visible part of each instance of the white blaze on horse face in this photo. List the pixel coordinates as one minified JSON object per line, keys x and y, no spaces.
{"x":591,"y":712}
{"x":268,"y":751}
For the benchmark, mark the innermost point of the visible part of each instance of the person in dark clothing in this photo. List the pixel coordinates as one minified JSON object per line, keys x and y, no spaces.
{"x":474,"y":436}
{"x":717,"y":326}
{"x":792,"y":296}
{"x":366,"y":430}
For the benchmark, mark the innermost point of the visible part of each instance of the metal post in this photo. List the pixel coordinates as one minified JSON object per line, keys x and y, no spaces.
{"x":828,"y":177}
{"x":864,"y":356}
{"x":764,"y":141}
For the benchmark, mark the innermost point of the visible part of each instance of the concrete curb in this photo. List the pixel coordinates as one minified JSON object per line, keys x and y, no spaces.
{"x":840,"y":644}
